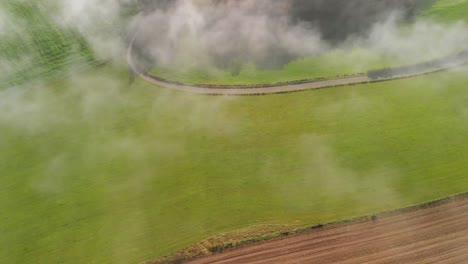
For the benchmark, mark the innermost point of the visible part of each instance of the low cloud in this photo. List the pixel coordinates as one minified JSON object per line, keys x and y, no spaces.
{"x":224,"y":35}
{"x":333,"y":186}
{"x":421,"y":41}
{"x":3,"y":22}
{"x":270,"y":34}
{"x":99,"y":22}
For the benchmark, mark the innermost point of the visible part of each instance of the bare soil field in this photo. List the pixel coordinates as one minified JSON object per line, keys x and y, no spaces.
{"x":437,"y":234}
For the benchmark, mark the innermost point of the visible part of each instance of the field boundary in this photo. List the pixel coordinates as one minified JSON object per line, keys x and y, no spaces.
{"x":228,"y":241}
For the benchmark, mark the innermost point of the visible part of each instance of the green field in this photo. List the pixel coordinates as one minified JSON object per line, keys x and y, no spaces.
{"x":448,"y":10}
{"x":93,"y":170}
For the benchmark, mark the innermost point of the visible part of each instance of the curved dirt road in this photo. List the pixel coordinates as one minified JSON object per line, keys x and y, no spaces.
{"x":433,"y":235}
{"x":239,"y":90}
{"x":275,"y":89}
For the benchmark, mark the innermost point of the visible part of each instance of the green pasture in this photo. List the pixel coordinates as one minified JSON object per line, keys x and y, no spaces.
{"x":95,"y":171}
{"x":448,"y":11}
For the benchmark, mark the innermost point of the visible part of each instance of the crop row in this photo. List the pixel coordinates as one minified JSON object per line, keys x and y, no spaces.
{"x":49,"y":48}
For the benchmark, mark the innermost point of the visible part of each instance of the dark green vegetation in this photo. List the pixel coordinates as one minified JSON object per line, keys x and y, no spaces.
{"x":38,"y":48}
{"x":95,"y":171}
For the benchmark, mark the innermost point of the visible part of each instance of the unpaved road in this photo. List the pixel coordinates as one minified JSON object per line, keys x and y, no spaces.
{"x":239,"y":91}
{"x":257,"y":91}
{"x":433,"y":235}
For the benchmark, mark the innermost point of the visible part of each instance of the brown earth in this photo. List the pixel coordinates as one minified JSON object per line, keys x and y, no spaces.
{"x":437,"y":234}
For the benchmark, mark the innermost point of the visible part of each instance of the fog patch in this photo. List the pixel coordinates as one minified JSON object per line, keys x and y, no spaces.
{"x":186,"y":34}
{"x":224,"y":35}
{"x":422,"y":41}
{"x":30,"y":111}
{"x":326,"y":179}
{"x":3,"y":22}
{"x":94,"y":124}
{"x":52,"y":179}
{"x":99,"y":22}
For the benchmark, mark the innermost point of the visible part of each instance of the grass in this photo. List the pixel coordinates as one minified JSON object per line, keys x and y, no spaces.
{"x":96,"y":172}
{"x":448,"y":11}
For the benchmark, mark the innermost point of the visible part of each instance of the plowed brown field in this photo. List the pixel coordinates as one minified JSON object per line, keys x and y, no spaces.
{"x":437,"y":234}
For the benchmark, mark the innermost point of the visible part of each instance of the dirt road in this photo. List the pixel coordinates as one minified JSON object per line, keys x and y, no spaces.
{"x":433,"y":235}
{"x":240,"y":90}
{"x":442,"y":65}
{"x":257,"y":91}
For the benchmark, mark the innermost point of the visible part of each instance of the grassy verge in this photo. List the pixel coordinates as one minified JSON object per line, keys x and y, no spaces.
{"x":338,"y":62}
{"x":254,"y":234}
